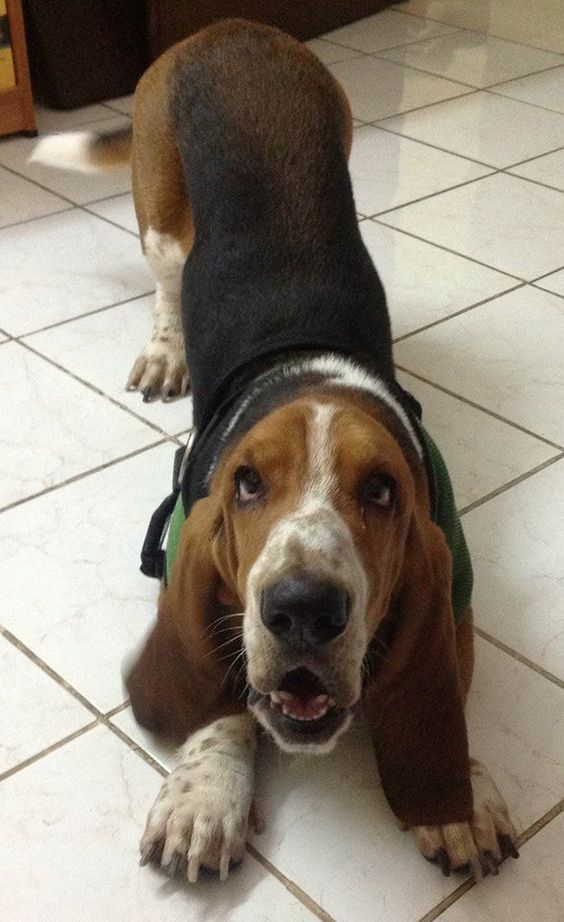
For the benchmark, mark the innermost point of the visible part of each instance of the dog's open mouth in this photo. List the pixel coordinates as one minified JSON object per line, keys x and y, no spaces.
{"x":300,"y":710}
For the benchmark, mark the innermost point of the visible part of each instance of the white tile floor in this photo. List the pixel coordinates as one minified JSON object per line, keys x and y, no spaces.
{"x":461,"y":183}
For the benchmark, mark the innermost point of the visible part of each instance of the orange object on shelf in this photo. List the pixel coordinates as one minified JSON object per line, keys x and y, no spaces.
{"x":16,"y":100}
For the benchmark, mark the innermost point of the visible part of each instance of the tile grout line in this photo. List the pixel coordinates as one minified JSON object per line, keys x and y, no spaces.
{"x":510,"y":483}
{"x":19,"y":337}
{"x":514,"y":654}
{"x":534,"y":105}
{"x":478,"y":406}
{"x":289,"y":884}
{"x":88,"y":473}
{"x":463,"y":310}
{"x":378,"y":123}
{"x":15,"y":769}
{"x":525,"y":837}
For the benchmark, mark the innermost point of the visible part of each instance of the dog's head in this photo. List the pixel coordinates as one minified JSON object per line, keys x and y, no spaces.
{"x":311,"y":523}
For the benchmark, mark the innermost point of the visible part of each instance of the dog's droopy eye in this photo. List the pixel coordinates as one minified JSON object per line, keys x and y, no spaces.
{"x":248,"y":485}
{"x":378,"y":490}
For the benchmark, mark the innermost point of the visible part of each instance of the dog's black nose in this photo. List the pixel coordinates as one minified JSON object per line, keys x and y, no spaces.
{"x":305,"y":612}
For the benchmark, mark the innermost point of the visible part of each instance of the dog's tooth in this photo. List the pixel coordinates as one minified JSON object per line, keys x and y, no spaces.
{"x":275,"y":697}
{"x":321,"y":699}
{"x":286,"y":696}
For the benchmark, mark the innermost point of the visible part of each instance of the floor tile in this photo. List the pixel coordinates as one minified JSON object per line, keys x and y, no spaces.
{"x":505,"y":355}
{"x":48,"y":120}
{"x":102,"y":347}
{"x":548,"y":169}
{"x":486,"y":127}
{"x":386,"y":30}
{"x":329,"y":53}
{"x":425,"y":283}
{"x":553,"y":282}
{"x":119,"y":210}
{"x":546,"y":89}
{"x":534,"y":887}
{"x":481,"y":452}
{"x":388,"y":170}
{"x":80,"y":188}
{"x":65,"y":428}
{"x":84,"y":807}
{"x":21,"y":200}
{"x":377,"y":88}
{"x":516,"y":20}
{"x":36,"y":712}
{"x":500,"y":220}
{"x":63,"y":266}
{"x":92,"y":607}
{"x":121,"y":104}
{"x":474,"y":58}
{"x":517,"y":547}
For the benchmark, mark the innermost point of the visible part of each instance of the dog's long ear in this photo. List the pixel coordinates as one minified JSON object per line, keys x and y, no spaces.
{"x":414,"y":703}
{"x":177,"y":683}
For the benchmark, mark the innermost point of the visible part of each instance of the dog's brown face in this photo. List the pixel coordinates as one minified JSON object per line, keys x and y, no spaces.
{"x":316,"y":504}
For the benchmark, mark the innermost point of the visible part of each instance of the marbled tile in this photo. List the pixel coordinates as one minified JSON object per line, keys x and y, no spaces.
{"x":517,"y":545}
{"x":505,"y":355}
{"x":49,"y":120}
{"x":91,"y":607}
{"x":489,"y":128}
{"x":102,"y":347}
{"x":36,"y":712}
{"x":500,"y":220}
{"x":119,"y":210}
{"x":425,"y":283}
{"x":73,"y":821}
{"x":63,"y":266}
{"x":473,"y":58}
{"x":329,"y":53}
{"x":548,"y":169}
{"x":553,"y":282}
{"x":545,"y":89}
{"x":388,"y":171}
{"x":377,"y":88}
{"x":481,"y":452}
{"x":515,"y":20}
{"x":21,"y":200}
{"x":52,"y":427}
{"x":534,"y":888}
{"x":164,"y":753}
{"x":78,"y":187}
{"x":386,"y":30}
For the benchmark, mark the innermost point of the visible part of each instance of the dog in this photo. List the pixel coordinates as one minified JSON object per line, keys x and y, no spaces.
{"x":315,"y":566}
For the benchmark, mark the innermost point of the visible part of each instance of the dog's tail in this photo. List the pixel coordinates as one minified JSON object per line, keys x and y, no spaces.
{"x":86,"y":151}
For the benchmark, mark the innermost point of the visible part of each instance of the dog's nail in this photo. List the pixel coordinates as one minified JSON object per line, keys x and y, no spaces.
{"x":175,"y":865}
{"x":507,"y":847}
{"x":443,"y":861}
{"x":148,"y":853}
{"x":491,"y":863}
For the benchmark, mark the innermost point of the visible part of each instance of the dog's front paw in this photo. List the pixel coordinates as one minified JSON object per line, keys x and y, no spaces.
{"x":199,"y":820}
{"x":480,"y":845}
{"x":160,"y":371}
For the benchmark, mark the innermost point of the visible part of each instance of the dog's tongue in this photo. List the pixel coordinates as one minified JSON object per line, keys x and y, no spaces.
{"x":311,"y":707}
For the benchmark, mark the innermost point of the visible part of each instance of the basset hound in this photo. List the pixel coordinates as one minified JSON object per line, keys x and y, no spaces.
{"x":316,"y":571}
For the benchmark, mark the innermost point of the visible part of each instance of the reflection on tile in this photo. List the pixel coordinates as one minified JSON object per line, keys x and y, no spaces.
{"x":473,"y":58}
{"x":78,"y":187}
{"x":486,"y":127}
{"x":388,"y":170}
{"x":362,"y":875}
{"x":92,"y":606}
{"x":377,"y":89}
{"x":36,"y":712}
{"x":49,"y":120}
{"x":63,"y":266}
{"x":545,"y":89}
{"x":386,"y":30}
{"x":517,"y":547}
{"x":84,"y":807}
{"x":329,"y":53}
{"x":121,"y":104}
{"x":533,"y":888}
{"x":553,"y":282}
{"x":64,"y":430}
{"x":425,"y":283}
{"x":505,"y":355}
{"x":481,"y":452}
{"x":21,"y":200}
{"x":102,"y":347}
{"x":119,"y":210}
{"x":510,"y":19}
{"x":499,"y":220}
{"x":548,"y":169}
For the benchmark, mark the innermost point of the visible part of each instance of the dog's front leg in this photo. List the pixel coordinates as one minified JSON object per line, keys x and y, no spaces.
{"x":201,"y":816}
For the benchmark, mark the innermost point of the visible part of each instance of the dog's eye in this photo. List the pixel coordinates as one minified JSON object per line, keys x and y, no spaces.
{"x":248,"y":485}
{"x":378,"y":490}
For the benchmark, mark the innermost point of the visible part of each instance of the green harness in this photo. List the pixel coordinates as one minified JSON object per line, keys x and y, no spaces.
{"x":446,"y":518}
